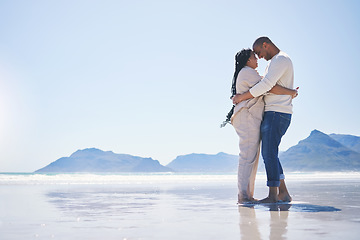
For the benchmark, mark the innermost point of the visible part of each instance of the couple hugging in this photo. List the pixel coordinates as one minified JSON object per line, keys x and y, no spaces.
{"x":262,"y":112}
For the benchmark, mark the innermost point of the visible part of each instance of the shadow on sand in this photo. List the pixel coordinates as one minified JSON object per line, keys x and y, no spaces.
{"x":292,"y":207}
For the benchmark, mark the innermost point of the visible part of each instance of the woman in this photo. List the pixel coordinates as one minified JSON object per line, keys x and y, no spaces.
{"x":246,"y":119}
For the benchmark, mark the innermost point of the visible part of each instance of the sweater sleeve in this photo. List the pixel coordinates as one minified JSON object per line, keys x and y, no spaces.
{"x":276,"y":69}
{"x":247,"y":78}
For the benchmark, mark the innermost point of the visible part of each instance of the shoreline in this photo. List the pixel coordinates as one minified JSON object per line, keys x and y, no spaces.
{"x":174,"y":206}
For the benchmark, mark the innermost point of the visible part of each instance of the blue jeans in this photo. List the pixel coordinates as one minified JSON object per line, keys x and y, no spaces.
{"x":273,"y":127}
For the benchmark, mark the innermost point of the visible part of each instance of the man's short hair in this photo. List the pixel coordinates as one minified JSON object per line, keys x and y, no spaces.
{"x":261,"y":40}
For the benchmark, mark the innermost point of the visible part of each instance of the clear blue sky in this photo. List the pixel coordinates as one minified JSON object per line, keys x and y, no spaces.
{"x":152,"y":78}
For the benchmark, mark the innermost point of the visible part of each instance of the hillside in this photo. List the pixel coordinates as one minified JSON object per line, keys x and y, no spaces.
{"x":320,"y":152}
{"x":350,"y":141}
{"x":95,"y":160}
{"x":220,"y":162}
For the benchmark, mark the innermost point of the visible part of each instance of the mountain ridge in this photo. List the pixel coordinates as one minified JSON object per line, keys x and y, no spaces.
{"x":317,"y":152}
{"x":96,"y":160}
{"x":350,"y":141}
{"x":198,"y":162}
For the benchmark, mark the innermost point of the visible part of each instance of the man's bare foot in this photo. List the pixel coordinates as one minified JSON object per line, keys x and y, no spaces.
{"x":285,"y":197}
{"x":269,"y":200}
{"x":283,"y":192}
{"x":272,"y":197}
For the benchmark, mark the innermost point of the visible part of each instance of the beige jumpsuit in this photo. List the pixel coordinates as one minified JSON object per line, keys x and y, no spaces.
{"x":246,"y":120}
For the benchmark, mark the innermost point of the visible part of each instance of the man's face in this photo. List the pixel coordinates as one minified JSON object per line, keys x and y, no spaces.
{"x":262,"y":52}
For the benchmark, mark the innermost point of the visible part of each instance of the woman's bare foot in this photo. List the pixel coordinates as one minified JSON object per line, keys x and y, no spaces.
{"x":247,"y":200}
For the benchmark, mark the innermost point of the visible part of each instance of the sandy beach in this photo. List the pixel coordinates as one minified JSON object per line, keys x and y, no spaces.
{"x":175,"y":206}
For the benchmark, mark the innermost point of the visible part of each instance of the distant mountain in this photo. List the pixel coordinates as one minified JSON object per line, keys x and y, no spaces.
{"x":95,"y":160}
{"x":320,"y":152}
{"x":350,"y":141}
{"x":220,"y":162}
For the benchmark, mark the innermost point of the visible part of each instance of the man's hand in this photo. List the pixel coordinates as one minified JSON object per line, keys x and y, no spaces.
{"x":236,"y":99}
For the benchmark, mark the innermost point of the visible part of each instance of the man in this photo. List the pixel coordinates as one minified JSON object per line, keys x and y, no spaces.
{"x":277,"y":115}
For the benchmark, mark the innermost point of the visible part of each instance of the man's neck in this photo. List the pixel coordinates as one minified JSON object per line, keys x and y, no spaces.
{"x":275,"y":52}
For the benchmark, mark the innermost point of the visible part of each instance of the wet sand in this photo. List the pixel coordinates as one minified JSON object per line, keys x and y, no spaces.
{"x":168,"y":208}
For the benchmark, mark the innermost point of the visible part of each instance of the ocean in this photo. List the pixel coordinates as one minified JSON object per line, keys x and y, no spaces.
{"x":174,"y":206}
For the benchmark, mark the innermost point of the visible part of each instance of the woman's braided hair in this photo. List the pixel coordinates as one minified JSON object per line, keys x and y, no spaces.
{"x":241,"y":59}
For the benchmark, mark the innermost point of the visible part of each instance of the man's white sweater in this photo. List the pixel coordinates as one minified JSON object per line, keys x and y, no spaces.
{"x":279,"y":71}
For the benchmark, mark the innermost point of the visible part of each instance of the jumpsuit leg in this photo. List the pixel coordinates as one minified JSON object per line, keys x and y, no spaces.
{"x":248,"y":129}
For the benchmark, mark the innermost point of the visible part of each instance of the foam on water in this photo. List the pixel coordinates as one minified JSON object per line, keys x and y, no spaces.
{"x":130,"y":178}
{"x":141,"y":178}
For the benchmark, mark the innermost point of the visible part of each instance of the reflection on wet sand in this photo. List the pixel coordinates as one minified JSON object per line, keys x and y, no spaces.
{"x":278,"y":223}
{"x":248,"y":223}
{"x":95,"y":202}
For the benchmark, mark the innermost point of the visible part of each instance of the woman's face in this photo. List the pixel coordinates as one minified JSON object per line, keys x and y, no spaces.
{"x":252,"y":62}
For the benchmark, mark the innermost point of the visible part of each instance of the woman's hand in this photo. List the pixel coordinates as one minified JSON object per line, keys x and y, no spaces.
{"x":295,"y":93}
